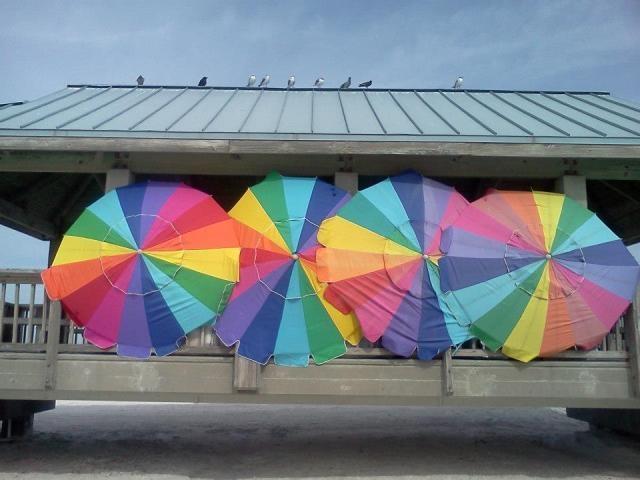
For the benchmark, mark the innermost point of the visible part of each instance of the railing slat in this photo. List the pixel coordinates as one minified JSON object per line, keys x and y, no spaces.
{"x":32,"y":306}
{"x":16,"y":311}
{"x":45,"y":314}
{"x":3,"y":293}
{"x":70,"y":334}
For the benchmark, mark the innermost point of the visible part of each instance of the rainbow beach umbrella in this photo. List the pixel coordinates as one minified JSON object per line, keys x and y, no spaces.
{"x":145,"y":265}
{"x":535,"y":273}
{"x":278,"y":308}
{"x":381,"y":262}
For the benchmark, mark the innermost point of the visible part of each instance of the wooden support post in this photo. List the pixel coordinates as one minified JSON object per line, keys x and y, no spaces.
{"x":53,"y":342}
{"x":574,"y":187}
{"x":246,"y":374}
{"x":447,"y":373}
{"x":632,"y":339}
{"x":118,"y":177}
{"x":3,"y":293}
{"x":347,"y":181}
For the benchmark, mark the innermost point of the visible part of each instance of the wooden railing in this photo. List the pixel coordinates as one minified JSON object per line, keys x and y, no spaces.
{"x":30,"y":322}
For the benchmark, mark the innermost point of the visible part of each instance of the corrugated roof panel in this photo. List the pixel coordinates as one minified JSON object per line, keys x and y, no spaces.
{"x":103,"y":109}
{"x":37,"y":103}
{"x":626,"y":122}
{"x":57,"y":112}
{"x":618,"y":105}
{"x":175,"y":106}
{"x":28,"y":115}
{"x":533,"y":125}
{"x":393,"y":118}
{"x":130,"y":116}
{"x":594,"y":125}
{"x":461,"y":121}
{"x":612,"y":123}
{"x":425,"y":118}
{"x":360,"y":116}
{"x":122,"y":111}
{"x":296,"y":116}
{"x":154,"y":107}
{"x":232,"y":116}
{"x":571,"y":128}
{"x":265,"y":114}
{"x":205,"y":105}
{"x":489,"y":117}
{"x":327,"y":113}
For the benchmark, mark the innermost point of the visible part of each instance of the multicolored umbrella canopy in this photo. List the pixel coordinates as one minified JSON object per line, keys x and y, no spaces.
{"x":535,"y":273}
{"x":381,"y":259}
{"x":278,"y":308}
{"x":145,"y":265}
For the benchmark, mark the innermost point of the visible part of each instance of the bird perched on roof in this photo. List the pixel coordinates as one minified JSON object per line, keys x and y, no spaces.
{"x":252,"y":81}
{"x":265,"y":81}
{"x":319,"y":82}
{"x":202,"y":82}
{"x":458,"y":82}
{"x":291,"y":82}
{"x":140,"y":80}
{"x":366,"y":84}
{"x":346,"y":84}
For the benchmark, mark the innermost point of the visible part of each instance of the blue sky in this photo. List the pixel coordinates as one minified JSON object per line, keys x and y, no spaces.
{"x":577,"y":45}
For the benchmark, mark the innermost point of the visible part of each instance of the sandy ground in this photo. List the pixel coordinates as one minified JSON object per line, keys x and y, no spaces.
{"x":176,"y":441}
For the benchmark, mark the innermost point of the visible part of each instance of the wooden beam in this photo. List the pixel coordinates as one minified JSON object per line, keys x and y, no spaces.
{"x":55,"y":161}
{"x":477,"y":383}
{"x":296,"y":144}
{"x":29,"y":223}
{"x":299,"y":162}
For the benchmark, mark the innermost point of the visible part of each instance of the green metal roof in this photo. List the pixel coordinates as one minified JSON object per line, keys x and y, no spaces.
{"x":125,"y":111}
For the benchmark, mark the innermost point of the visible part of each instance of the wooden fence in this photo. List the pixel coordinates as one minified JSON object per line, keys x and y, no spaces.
{"x":44,"y":356}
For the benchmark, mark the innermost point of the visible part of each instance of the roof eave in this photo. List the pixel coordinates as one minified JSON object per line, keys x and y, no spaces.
{"x":537,"y":147}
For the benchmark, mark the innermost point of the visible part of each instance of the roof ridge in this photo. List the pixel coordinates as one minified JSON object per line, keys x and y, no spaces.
{"x":354,"y":89}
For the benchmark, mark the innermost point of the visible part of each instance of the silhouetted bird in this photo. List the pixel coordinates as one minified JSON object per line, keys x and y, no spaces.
{"x":458,"y":82}
{"x":346,"y":84}
{"x":265,"y":81}
{"x":291,"y":82}
{"x":252,"y":81}
{"x":365,"y":84}
{"x":202,"y":82}
{"x":319,"y":82}
{"x":140,"y":80}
